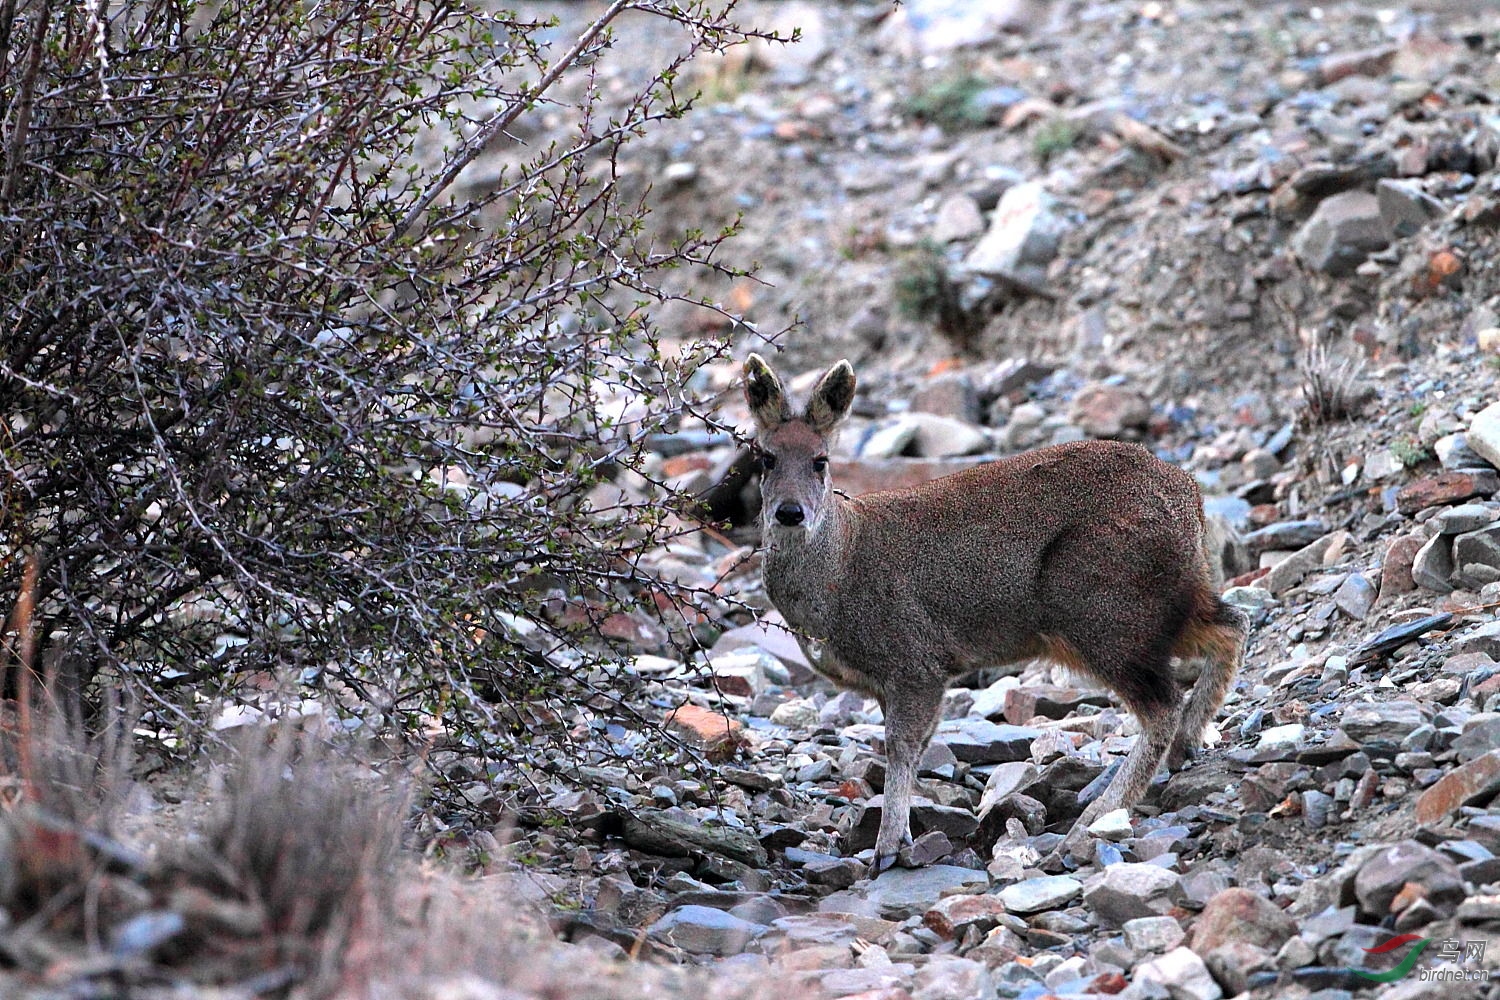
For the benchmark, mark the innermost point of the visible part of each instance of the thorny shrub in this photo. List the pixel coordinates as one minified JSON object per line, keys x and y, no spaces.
{"x":296,"y":389}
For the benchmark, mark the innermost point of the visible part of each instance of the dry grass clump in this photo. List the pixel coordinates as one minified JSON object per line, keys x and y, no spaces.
{"x":1333,"y":388}
{"x":293,"y":883}
{"x":294,"y":886}
{"x":294,"y":861}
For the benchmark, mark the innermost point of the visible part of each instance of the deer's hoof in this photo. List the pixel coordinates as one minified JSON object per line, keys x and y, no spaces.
{"x":1179,"y":755}
{"x":882,"y":862}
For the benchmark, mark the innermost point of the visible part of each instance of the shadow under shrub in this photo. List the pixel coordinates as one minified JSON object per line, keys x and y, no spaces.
{"x":293,"y":390}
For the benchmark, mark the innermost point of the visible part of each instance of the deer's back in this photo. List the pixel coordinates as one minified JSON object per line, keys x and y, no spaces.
{"x":983,"y":560}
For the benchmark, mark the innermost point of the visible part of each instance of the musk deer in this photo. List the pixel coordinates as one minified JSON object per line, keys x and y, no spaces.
{"x":1089,"y":554}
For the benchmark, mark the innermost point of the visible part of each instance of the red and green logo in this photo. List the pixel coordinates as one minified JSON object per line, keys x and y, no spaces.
{"x":1406,"y":963}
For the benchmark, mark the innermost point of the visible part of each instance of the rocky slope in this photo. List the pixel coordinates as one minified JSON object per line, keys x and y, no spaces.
{"x":1256,"y":238}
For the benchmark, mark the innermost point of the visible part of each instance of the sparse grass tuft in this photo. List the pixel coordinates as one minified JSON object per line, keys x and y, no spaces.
{"x":949,"y":103}
{"x":927,"y":293}
{"x":1332,"y":388}
{"x":1053,"y":138}
{"x":1410,"y":452}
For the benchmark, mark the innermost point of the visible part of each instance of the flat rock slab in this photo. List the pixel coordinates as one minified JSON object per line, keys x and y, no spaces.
{"x":1476,"y":781}
{"x":704,"y":930}
{"x":1387,"y":722}
{"x":1446,"y":488}
{"x":926,"y":816}
{"x":771,"y":634}
{"x":1129,"y":890}
{"x":1396,"y":636}
{"x":1385,"y":874}
{"x":903,"y":892}
{"x":656,"y":833}
{"x":1024,"y":704}
{"x":1285,"y":535}
{"x":1033,"y":895}
{"x":979,"y":741}
{"x":834,"y":928}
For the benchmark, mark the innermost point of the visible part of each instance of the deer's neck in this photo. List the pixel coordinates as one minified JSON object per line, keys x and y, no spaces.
{"x":803,"y":569}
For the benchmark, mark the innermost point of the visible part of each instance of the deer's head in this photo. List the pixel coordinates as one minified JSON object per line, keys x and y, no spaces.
{"x":795,"y":487}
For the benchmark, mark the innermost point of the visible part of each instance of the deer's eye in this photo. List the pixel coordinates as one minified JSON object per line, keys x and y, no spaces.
{"x":820,"y":464}
{"x":767,"y":461}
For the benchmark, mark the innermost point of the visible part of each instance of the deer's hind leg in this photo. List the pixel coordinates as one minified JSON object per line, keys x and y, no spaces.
{"x":1218,"y":639}
{"x":1142,"y":678}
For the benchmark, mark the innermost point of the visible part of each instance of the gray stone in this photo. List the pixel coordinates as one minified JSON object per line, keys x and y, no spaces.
{"x":1290,"y":571}
{"x":839,"y":873}
{"x":1481,"y":734}
{"x":1108,"y":411}
{"x":937,"y":761}
{"x":744,"y":672}
{"x":1355,"y":596}
{"x":1251,"y":600}
{"x":889,"y":439}
{"x":1012,"y":776}
{"x":946,"y":977}
{"x":930,"y":846}
{"x":848,"y":982}
{"x":1383,"y":722}
{"x":1484,"y":434}
{"x":822,"y":929}
{"x":1479,"y":910}
{"x":1384,"y":874}
{"x":797,"y":714}
{"x":1285,"y":535}
{"x":944,"y":437}
{"x":1345,"y":229}
{"x":926,"y":815}
{"x":1404,"y":206}
{"x":1034,"y":895}
{"x":1183,"y":974}
{"x":1476,"y":557}
{"x":1466,"y":517}
{"x":1454,"y":453}
{"x":1484,"y":639}
{"x":629,"y":904}
{"x":950,"y":394}
{"x":979,"y":741}
{"x":902,"y":892}
{"x":1113,"y":826}
{"x":759,"y":910}
{"x":1023,"y":236}
{"x":1153,"y":933}
{"x":704,"y":930}
{"x":657,"y":833}
{"x":1128,"y":890}
{"x":818,"y":770}
{"x":1279,"y":743}
{"x":1316,"y":806}
{"x":1433,"y":566}
{"x":1232,"y":965}
{"x":958,"y":218}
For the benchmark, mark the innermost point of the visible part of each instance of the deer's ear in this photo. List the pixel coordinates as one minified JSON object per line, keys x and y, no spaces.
{"x":764,"y":394}
{"x":831,"y":399}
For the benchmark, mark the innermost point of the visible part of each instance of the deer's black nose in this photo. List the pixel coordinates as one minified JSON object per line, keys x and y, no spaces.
{"x":790,"y":514}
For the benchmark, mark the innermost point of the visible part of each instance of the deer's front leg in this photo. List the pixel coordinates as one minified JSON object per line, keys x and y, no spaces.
{"x":910,"y":717}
